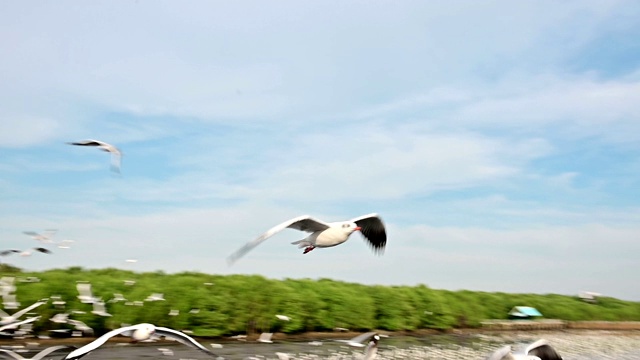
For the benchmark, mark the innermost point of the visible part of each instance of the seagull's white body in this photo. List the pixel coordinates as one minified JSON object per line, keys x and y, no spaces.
{"x":116,"y":154}
{"x":139,"y":332}
{"x":39,"y":355}
{"x":6,"y":319}
{"x":283,"y":317}
{"x":538,"y":350}
{"x":323,"y":234}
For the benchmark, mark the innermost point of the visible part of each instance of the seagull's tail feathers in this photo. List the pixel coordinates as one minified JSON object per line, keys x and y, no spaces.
{"x":302,"y":243}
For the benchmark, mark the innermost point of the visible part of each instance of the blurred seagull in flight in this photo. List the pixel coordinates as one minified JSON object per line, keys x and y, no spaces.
{"x":538,"y":350}
{"x":25,"y":252}
{"x":6,"y":319}
{"x":139,"y":332}
{"x":45,"y":237}
{"x":116,"y":154}
{"x":324,"y":234}
{"x":359,"y":340}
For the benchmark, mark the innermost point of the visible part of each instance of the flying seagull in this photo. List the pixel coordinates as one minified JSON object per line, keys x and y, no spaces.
{"x":6,"y":319}
{"x":45,"y":237}
{"x":116,"y":154}
{"x":139,"y":332}
{"x":538,"y":350}
{"x":39,"y":355}
{"x":359,"y":340}
{"x":25,"y":252}
{"x":324,"y":234}
{"x":371,"y":351}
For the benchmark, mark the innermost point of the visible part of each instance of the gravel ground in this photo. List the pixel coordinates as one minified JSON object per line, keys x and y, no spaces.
{"x":572,"y":345}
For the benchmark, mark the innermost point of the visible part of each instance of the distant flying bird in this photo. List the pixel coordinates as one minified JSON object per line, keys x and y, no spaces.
{"x":116,"y":154}
{"x":265,"y":338}
{"x":60,"y":318}
{"x":39,"y":355}
{"x":538,"y":350}
{"x":80,"y":326}
{"x":283,"y":317}
{"x":324,"y":234}
{"x":139,"y":332}
{"x":8,"y":319}
{"x":84,"y":293}
{"x":28,"y":252}
{"x":99,"y":309}
{"x":45,"y":237}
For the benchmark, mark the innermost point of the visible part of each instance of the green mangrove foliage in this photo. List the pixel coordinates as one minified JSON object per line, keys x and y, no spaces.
{"x":216,"y":305}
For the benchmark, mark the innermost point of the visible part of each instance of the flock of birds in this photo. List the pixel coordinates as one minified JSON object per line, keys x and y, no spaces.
{"x":321,"y":235}
{"x":45,"y":238}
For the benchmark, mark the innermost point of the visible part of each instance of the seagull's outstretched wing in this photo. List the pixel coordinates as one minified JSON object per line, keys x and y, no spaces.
{"x":543,"y":350}
{"x":84,"y":350}
{"x":12,"y":354}
{"x":359,"y":340}
{"x":51,"y":349}
{"x":372,"y":228}
{"x":182,"y":338}
{"x":18,"y":314}
{"x":43,"y":250}
{"x":504,"y":353}
{"x":302,"y":223}
{"x":89,"y":142}
{"x":15,"y":324}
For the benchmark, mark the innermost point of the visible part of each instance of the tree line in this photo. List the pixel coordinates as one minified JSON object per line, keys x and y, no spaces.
{"x":224,"y":305}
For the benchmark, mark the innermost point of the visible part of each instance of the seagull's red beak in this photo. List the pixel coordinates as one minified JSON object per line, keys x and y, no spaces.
{"x":357,"y":228}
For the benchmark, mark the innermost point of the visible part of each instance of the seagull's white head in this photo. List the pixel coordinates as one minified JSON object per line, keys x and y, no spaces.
{"x":349,"y":227}
{"x":143,"y":332}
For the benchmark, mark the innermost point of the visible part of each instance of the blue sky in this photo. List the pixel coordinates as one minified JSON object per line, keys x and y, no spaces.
{"x":499,"y":140}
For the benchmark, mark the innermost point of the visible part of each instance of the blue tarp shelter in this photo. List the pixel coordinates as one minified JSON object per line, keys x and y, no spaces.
{"x":524,"y":312}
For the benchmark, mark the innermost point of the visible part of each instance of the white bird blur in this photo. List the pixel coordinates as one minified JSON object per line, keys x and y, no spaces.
{"x":60,"y":318}
{"x":16,"y":324}
{"x":283,"y":317}
{"x":84,"y":293}
{"x":45,"y":237}
{"x":116,"y":154}
{"x":324,"y":234}
{"x":80,"y":326}
{"x":359,"y":340}
{"x":6,"y":319}
{"x":100,"y":309}
{"x":538,"y":350}
{"x":265,"y":338}
{"x":138,"y":332}
{"x":39,"y":355}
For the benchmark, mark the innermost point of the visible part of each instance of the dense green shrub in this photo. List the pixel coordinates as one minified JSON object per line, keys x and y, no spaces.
{"x":215,"y":305}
